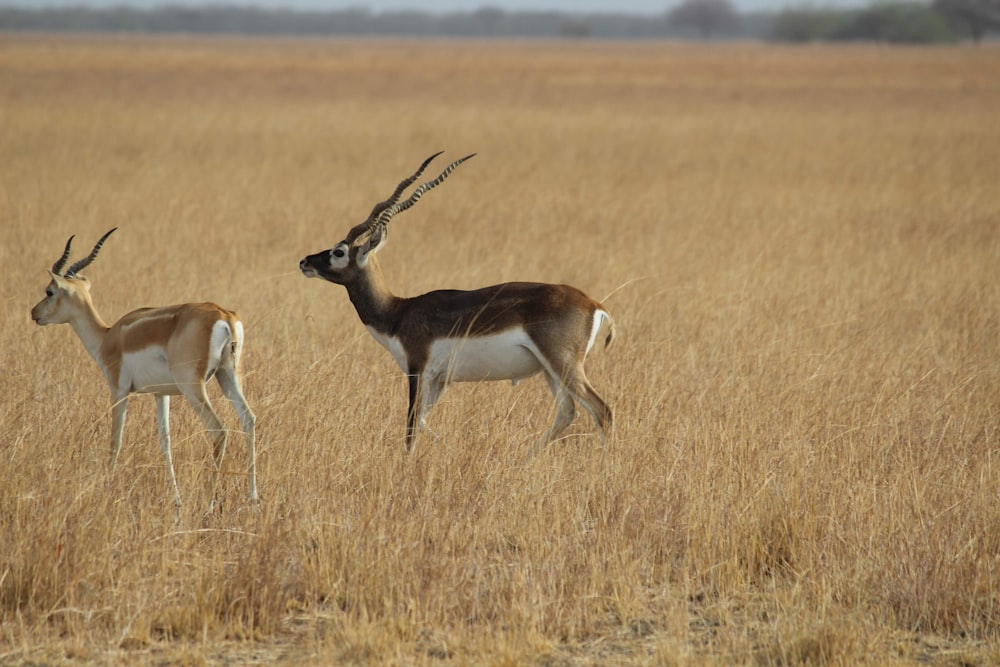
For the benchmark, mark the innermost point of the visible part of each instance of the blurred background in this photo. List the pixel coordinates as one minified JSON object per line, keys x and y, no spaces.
{"x":895,"y":21}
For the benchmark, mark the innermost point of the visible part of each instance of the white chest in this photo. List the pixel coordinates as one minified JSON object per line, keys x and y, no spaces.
{"x":393,"y":345}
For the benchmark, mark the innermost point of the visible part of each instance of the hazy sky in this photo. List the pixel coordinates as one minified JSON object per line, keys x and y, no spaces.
{"x":626,"y":6}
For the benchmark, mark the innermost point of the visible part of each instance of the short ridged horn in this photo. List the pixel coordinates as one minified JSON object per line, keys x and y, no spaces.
{"x":85,"y":262}
{"x":61,"y":262}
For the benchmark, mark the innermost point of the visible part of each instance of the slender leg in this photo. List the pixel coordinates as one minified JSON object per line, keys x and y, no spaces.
{"x":414,"y":409}
{"x":424,"y":393}
{"x":163,"y":428}
{"x":198,"y":398}
{"x":565,"y":409}
{"x":431,"y":391}
{"x":231,"y":388}
{"x":584,"y":393}
{"x":568,"y":382}
{"x":119,"y":408}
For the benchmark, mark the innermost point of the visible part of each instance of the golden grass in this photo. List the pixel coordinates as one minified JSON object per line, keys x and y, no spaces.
{"x":800,"y":248}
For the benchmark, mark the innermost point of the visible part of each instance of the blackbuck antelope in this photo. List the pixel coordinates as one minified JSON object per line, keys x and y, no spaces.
{"x":159,"y":351}
{"x":505,"y":332}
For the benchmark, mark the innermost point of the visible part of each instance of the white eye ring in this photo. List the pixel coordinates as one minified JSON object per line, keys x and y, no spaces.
{"x":339,"y":257}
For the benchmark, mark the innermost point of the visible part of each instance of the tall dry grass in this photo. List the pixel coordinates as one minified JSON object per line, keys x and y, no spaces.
{"x":800,"y":248}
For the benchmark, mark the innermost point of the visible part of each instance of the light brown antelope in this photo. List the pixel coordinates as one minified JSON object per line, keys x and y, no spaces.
{"x":160,"y":351}
{"x":505,"y":332}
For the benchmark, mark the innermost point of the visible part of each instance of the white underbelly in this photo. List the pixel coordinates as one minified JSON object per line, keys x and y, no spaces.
{"x":503,"y":356}
{"x":148,"y":372}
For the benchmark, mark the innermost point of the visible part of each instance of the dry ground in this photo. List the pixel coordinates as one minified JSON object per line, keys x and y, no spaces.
{"x":800,"y":247}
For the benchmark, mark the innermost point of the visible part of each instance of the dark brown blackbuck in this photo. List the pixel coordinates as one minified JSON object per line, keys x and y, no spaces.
{"x":509,"y":331}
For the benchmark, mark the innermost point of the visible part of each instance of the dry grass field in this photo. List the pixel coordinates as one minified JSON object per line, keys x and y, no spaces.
{"x":801,"y":249}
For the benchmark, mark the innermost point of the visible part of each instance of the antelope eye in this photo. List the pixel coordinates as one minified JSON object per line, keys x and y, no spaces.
{"x":338,"y":252}
{"x":49,"y":293}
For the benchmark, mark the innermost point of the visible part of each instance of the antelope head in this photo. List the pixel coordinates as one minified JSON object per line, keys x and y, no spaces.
{"x":342,"y":263}
{"x":66,"y":292}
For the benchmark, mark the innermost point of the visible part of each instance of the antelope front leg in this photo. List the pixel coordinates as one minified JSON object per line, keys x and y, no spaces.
{"x":425,"y":391}
{"x":431,"y":390}
{"x":413,"y":413}
{"x":163,"y":428}
{"x":119,"y":407}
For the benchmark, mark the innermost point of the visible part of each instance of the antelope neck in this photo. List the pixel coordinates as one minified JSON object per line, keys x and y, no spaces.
{"x":372,"y":298}
{"x":91,"y":328}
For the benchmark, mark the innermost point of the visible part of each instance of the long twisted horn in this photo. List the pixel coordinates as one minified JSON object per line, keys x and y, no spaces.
{"x":387,"y":214}
{"x":61,"y":262}
{"x":85,"y":262}
{"x":381,"y":206}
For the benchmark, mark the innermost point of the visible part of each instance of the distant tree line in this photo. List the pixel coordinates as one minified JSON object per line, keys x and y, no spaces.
{"x":893,"y":22}
{"x":251,"y":20}
{"x":905,"y":21}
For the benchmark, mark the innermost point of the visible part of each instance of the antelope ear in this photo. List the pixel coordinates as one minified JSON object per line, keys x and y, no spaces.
{"x":379,"y":237}
{"x":375,"y":242}
{"x":58,"y":280}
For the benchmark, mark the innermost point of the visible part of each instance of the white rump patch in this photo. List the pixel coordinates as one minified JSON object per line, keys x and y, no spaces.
{"x":222,"y":337}
{"x":238,"y":339}
{"x":595,"y":328}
